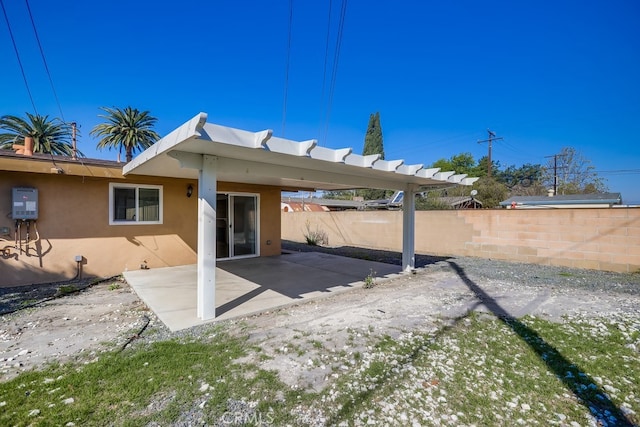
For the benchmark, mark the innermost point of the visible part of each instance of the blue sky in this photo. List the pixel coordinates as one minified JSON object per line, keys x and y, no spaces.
{"x":543,"y":75}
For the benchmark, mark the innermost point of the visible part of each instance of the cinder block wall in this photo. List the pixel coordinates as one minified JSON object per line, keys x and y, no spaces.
{"x":600,"y":239}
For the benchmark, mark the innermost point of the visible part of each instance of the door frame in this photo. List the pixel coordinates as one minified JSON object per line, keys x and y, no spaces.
{"x":230,"y":226}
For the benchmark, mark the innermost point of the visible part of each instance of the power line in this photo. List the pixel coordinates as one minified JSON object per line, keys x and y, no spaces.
{"x":324,"y":70}
{"x":520,"y":154}
{"x":336,"y":58}
{"x":15,"y":48}
{"x":410,"y":147}
{"x":286,"y":75}
{"x":620,"y":171}
{"x":46,"y":67}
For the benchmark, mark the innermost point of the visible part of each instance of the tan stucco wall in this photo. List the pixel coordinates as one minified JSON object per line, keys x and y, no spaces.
{"x":601,"y":239}
{"x":73,"y":220}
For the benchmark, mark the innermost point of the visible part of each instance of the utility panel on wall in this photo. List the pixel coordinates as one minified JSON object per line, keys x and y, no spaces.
{"x":24,"y":203}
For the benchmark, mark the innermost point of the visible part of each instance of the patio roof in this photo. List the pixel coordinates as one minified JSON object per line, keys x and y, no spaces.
{"x":212,"y":153}
{"x":260,"y":158}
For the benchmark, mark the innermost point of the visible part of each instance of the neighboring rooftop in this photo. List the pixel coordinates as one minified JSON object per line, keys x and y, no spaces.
{"x":461,"y":202}
{"x":48,"y":163}
{"x":331,"y":204}
{"x":571,"y":200}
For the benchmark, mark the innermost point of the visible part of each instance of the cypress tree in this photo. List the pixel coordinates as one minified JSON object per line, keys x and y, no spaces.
{"x":373,"y":138}
{"x":373,"y":145}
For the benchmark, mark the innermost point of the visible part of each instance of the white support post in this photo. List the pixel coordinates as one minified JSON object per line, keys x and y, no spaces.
{"x":409,"y":229}
{"x":207,"y":196}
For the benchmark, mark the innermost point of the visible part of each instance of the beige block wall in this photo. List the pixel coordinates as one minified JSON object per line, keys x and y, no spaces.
{"x":73,"y":220}
{"x":601,"y":239}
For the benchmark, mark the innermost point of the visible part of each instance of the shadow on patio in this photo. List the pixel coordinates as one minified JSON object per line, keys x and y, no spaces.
{"x":252,"y":285}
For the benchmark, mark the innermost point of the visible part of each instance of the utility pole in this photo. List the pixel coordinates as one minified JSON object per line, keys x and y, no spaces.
{"x":492,"y":137}
{"x":73,"y":141}
{"x":555,"y":171}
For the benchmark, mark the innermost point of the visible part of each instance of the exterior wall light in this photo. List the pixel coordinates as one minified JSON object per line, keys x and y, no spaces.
{"x":189,"y":190}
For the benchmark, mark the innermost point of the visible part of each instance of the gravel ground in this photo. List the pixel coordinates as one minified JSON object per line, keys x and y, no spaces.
{"x":441,"y":291}
{"x":20,"y":297}
{"x":59,"y":322}
{"x":311,"y":343}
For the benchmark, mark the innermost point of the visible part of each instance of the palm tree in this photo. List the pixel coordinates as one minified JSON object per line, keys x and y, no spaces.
{"x":51,"y":136}
{"x":126,"y":128}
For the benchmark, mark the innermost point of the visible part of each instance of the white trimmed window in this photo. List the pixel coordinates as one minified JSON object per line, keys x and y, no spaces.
{"x":133,"y":204}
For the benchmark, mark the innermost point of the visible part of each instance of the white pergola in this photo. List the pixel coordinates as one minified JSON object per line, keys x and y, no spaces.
{"x":211,"y":153}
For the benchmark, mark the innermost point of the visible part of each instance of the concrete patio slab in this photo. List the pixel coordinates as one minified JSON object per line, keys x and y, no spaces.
{"x":252,"y":285}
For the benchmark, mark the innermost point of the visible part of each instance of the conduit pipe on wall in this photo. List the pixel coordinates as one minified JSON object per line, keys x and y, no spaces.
{"x":78,"y":259}
{"x":18,"y":235}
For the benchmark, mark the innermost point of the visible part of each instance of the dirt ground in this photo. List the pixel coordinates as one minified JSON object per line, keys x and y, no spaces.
{"x":301,"y":339}
{"x":69,"y":327}
{"x":305,"y":343}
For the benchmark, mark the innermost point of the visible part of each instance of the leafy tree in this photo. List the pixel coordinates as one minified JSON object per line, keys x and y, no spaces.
{"x":373,"y":145}
{"x":537,"y":188}
{"x":126,"y":128}
{"x":490,"y":191}
{"x":575,"y":174}
{"x":460,"y":163}
{"x":443,"y":164}
{"x":50,"y":136}
{"x":431,"y":201}
{"x":483,"y":166}
{"x":525,"y":180}
{"x":524,"y":175}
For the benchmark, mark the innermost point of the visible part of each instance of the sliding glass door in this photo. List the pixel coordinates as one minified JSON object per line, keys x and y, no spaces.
{"x":237,"y":225}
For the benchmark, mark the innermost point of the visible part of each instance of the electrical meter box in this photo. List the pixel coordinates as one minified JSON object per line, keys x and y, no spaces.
{"x":25,"y":203}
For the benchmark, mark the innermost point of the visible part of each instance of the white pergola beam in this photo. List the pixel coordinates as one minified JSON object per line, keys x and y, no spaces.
{"x":233,"y":136}
{"x":456,"y":179}
{"x":387,"y":165}
{"x":329,"y":155}
{"x":292,"y":148}
{"x":427,"y":173}
{"x":263,"y":136}
{"x":193,"y":129}
{"x":362,"y":161}
{"x":409,"y":169}
{"x":237,"y":169}
{"x":443,"y":176}
{"x":468,"y":181}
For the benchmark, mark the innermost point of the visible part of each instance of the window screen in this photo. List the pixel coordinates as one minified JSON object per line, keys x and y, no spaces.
{"x":149,"y":204}
{"x":124,"y":206}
